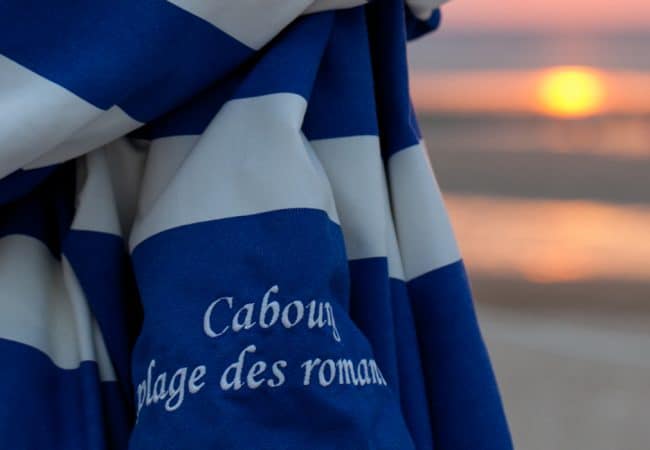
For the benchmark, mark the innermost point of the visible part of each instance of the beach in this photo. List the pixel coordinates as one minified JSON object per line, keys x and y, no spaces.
{"x":571,"y":381}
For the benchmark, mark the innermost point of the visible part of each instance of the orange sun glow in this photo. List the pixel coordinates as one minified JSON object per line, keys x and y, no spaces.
{"x":571,"y":92}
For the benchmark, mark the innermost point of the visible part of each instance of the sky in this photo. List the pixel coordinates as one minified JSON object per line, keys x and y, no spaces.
{"x":548,"y":15}
{"x":500,"y":56}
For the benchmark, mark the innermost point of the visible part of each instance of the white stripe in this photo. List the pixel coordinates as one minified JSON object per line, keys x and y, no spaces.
{"x":395,"y":266}
{"x":107,"y":126}
{"x":126,"y":158}
{"x":255,"y":22}
{"x":42,"y":305}
{"x":96,"y":207}
{"x":165,"y":157}
{"x":422,"y":9}
{"x":251,"y":22}
{"x":37,"y":116}
{"x":252,"y":158}
{"x":323,"y":5}
{"x":356,"y":173}
{"x":424,"y":233}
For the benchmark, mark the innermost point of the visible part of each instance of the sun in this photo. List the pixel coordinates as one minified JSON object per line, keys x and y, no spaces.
{"x":571,"y":92}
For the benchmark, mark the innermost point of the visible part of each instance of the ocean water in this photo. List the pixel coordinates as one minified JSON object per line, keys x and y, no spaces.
{"x":544,"y":199}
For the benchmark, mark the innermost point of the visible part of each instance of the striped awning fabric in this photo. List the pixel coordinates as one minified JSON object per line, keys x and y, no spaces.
{"x":219,"y":228}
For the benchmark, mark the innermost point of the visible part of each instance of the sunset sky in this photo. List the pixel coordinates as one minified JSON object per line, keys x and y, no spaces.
{"x":548,"y":15}
{"x":566,"y":58}
{"x":515,"y":91}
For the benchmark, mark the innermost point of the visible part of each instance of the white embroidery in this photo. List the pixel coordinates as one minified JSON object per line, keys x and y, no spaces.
{"x":150,"y":394}
{"x":308,"y":366}
{"x":207,"y":329}
{"x":300,"y":312}
{"x":219,"y":315}
{"x":322,"y":379}
{"x":223,"y":317}
{"x":278,"y":373}
{"x":364,"y":373}
{"x":232,"y":377}
{"x":193,"y":385}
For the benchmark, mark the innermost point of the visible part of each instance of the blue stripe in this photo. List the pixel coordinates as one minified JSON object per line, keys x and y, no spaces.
{"x":466,"y":409}
{"x":181,"y":271}
{"x":102,"y":267}
{"x":194,"y":116}
{"x":342,"y":102}
{"x":145,"y":56}
{"x":416,"y":27}
{"x":370,"y":291}
{"x":291,"y":60}
{"x":390,"y":329}
{"x":46,"y":212}
{"x":414,"y":404}
{"x":21,"y":182}
{"x":51,"y":407}
{"x":287,"y":64}
{"x":397,"y":122}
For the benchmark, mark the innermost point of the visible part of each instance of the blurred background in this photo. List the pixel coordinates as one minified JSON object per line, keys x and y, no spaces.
{"x":537,"y":119}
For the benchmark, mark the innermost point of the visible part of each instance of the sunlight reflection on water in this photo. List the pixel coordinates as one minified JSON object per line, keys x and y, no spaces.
{"x":552,"y":240}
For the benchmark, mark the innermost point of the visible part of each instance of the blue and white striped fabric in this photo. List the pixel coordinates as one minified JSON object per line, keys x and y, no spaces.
{"x":219,"y":229}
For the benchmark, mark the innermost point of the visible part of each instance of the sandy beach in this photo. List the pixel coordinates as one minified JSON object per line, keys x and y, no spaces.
{"x":571,"y":380}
